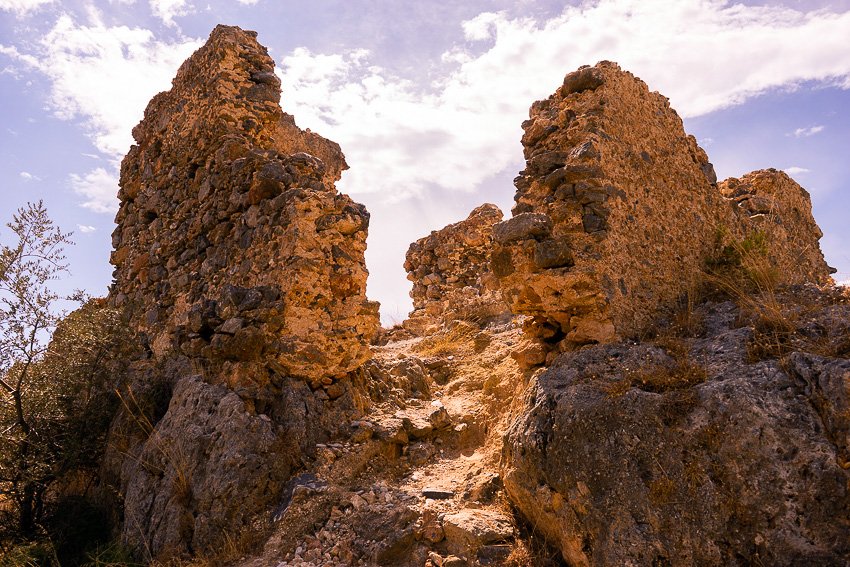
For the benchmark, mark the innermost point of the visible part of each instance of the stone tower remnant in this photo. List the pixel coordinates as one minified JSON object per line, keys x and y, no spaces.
{"x":618,"y":209}
{"x":232,"y":242}
{"x":450,"y":271}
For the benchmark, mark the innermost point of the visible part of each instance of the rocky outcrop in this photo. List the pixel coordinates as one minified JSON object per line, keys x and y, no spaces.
{"x":232,"y":242}
{"x":618,"y":209}
{"x":450,"y":271}
{"x":634,"y":454}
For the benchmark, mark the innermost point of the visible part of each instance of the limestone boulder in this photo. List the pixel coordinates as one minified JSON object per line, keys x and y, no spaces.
{"x":469,"y":529}
{"x":202,"y":473}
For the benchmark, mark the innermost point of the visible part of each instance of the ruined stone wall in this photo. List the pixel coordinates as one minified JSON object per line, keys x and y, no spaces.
{"x":450,"y":271}
{"x":618,"y":209}
{"x":232,"y":242}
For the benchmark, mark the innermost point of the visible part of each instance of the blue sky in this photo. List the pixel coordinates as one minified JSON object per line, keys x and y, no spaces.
{"x":426,"y":99}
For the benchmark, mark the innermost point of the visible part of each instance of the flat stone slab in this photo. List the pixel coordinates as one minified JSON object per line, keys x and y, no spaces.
{"x":437,"y":494}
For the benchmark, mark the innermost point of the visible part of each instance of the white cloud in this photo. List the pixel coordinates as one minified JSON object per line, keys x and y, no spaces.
{"x":22,"y":8}
{"x":811,"y":131}
{"x":795,"y":170}
{"x":100,"y":189}
{"x":484,"y":26}
{"x":104,"y":75}
{"x":396,"y":140}
{"x":248,"y":2}
{"x":167,"y":10}
{"x":86,"y":229}
{"x":26,"y":176}
{"x":402,"y":138}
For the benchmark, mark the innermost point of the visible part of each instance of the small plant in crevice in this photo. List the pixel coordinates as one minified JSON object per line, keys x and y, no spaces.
{"x":111,"y":554}
{"x":530,"y":548}
{"x":677,"y":374}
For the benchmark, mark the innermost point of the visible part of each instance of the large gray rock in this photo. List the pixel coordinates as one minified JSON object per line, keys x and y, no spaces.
{"x":207,"y":468}
{"x":617,"y":466}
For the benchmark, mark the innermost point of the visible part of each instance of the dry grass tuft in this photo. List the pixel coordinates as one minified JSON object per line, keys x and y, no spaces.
{"x":452,"y":341}
{"x":170,"y":450}
{"x":680,"y":374}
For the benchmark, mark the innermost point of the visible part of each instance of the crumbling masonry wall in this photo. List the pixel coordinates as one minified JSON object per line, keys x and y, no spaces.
{"x":618,"y":209}
{"x":450,"y":271}
{"x":232,"y":242}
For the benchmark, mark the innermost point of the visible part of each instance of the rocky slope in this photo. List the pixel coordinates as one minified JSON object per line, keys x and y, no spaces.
{"x":685,"y":451}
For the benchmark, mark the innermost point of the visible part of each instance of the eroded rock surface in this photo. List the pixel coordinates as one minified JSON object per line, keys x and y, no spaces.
{"x":622,"y":456}
{"x":209,"y":463}
{"x":451,"y":275}
{"x":618,"y":209}
{"x":232,"y":242}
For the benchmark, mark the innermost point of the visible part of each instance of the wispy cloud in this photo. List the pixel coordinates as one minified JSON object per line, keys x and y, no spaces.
{"x":403,"y":138}
{"x":104,"y":76}
{"x":99,"y":187}
{"x":795,"y":170}
{"x":86,"y":229}
{"x":810,"y":131}
{"x":22,"y":8}
{"x":167,"y":10}
{"x":27,"y":176}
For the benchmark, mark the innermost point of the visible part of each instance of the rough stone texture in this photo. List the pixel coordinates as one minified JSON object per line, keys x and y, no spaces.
{"x":189,"y":463}
{"x":748,"y":467}
{"x":618,"y":209}
{"x":209,"y":463}
{"x":237,"y":259}
{"x":468,"y":530}
{"x":450,"y":271}
{"x":232,"y":242}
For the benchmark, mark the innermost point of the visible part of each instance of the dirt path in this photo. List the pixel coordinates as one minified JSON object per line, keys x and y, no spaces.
{"x":416,"y":482}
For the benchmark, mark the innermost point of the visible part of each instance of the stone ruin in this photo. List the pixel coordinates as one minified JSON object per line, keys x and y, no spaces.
{"x":618,"y":209}
{"x":232,"y":242}
{"x":243,"y":270}
{"x":450,"y":271}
